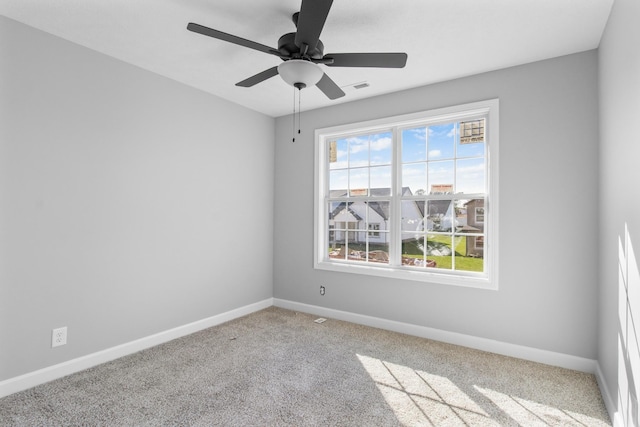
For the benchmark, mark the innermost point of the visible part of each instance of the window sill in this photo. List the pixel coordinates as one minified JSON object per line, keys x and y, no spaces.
{"x":409,"y":274}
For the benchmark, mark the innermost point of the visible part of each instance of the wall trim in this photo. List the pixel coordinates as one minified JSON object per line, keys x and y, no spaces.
{"x":506,"y":349}
{"x":41,"y":376}
{"x":609,"y":403}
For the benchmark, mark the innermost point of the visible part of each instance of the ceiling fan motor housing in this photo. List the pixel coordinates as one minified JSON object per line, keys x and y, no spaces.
{"x":288,"y":49}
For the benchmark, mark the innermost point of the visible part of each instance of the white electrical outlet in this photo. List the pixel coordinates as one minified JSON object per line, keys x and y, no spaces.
{"x":59,"y":337}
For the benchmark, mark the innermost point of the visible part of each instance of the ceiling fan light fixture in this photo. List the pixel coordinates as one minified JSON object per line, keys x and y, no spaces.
{"x":300,"y":73}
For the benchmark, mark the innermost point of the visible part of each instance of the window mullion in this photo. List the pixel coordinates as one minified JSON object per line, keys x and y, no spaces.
{"x":396,"y":192}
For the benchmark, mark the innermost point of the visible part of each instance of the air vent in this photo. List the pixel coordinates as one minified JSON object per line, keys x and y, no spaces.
{"x":361,"y":85}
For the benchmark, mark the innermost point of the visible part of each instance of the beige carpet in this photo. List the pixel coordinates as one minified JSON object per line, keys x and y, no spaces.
{"x":279,"y":368}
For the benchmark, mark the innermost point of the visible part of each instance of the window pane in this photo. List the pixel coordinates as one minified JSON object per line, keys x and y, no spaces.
{"x":439,"y":215}
{"x":380,"y":148}
{"x":440,"y":177}
{"x":359,"y":151}
{"x":469,"y":215}
{"x":381,"y":180}
{"x":338,"y":182}
{"x":470,"y":176}
{"x":338,"y":151}
{"x":439,"y":250}
{"x":334,"y":209}
{"x":356,"y":255}
{"x":469,"y":253}
{"x":413,"y":249}
{"x":412,"y":212}
{"x":379,"y":252}
{"x":414,"y":177}
{"x":337,"y":251}
{"x":414,"y":145}
{"x":378,"y":215}
{"x":340,"y":221}
{"x":469,"y":240}
{"x":441,"y":141}
{"x":377,"y":231}
{"x":470,"y":150}
{"x":359,"y":182}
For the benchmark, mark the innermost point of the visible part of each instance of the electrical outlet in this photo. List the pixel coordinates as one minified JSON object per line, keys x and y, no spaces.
{"x":322,"y":290}
{"x":59,"y":337}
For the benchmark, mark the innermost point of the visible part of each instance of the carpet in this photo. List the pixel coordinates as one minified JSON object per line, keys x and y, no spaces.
{"x":278,"y":367}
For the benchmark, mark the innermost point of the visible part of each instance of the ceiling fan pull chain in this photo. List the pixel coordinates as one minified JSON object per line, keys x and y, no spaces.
{"x":299,"y":110}
{"x":293,"y":116}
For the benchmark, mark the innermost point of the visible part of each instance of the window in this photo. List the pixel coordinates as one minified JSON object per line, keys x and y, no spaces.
{"x":411,"y":197}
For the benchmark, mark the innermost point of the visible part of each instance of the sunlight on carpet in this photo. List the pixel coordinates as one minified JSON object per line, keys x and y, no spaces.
{"x":419,"y":398}
{"x":527,"y":412}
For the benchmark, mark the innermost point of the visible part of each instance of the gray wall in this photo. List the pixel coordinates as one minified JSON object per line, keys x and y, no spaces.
{"x":619,"y":65}
{"x":129,"y":202}
{"x":548,"y":195}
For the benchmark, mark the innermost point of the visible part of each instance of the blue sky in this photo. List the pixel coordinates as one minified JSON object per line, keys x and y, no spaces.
{"x":427,"y":161}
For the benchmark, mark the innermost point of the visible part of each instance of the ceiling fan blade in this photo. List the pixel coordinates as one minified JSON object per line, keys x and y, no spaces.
{"x":260,"y":77}
{"x":380,"y":60}
{"x":313,"y":14}
{"x":329,"y":88}
{"x":197,"y":28}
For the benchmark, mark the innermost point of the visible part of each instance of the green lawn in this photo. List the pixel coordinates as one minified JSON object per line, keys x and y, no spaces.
{"x":411,"y":249}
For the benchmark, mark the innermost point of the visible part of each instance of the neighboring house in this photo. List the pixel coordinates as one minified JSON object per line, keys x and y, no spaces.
{"x":358,"y":220}
{"x":475,"y":224}
{"x":349,"y":222}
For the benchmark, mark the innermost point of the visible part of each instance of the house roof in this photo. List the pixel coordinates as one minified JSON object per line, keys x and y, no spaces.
{"x":342,"y":207}
{"x":472,"y":201}
{"x":435,"y":207}
{"x":381,"y":208}
{"x":374,"y":192}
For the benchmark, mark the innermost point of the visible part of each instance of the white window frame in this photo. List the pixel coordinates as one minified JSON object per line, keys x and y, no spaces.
{"x":488,"y":279}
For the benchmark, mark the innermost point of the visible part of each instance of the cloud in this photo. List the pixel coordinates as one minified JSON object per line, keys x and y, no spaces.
{"x":471,"y":178}
{"x":448,"y":131}
{"x":413,"y":172}
{"x":381,"y":144}
{"x":435,"y":153}
{"x":418,"y":133}
{"x":471,"y":169}
{"x":360,"y":144}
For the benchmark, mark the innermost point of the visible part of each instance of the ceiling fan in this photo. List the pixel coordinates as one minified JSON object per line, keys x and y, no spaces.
{"x":302,"y":51}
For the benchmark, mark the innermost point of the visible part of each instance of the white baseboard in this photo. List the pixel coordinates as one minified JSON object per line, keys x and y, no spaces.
{"x":609,"y":403}
{"x":513,"y":350}
{"x":41,"y":376}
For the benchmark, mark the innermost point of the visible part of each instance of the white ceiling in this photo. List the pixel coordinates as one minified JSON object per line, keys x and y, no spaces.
{"x":444,"y":39}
